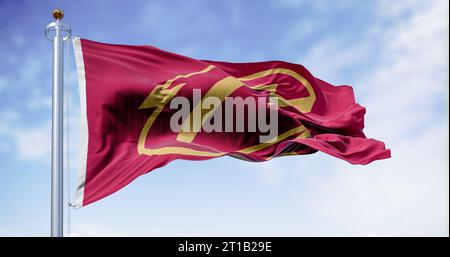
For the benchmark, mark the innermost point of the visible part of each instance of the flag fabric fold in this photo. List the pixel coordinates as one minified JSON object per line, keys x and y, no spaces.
{"x":127,"y":95}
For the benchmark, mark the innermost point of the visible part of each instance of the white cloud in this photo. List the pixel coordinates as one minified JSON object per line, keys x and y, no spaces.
{"x":33,"y":143}
{"x":407,"y":49}
{"x":27,"y":128}
{"x":38,"y":100}
{"x":28,"y":142}
{"x":407,"y":194}
{"x":329,"y":59}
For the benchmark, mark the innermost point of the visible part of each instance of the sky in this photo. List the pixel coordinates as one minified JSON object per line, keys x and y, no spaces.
{"x":393,"y":53}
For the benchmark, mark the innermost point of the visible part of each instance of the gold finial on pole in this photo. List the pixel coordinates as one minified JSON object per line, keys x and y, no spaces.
{"x":58,"y":14}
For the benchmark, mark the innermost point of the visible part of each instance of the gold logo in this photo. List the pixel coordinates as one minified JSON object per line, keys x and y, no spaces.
{"x":161,"y":95}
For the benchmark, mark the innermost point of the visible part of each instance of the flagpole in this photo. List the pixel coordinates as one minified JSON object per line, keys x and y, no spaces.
{"x":58,"y":33}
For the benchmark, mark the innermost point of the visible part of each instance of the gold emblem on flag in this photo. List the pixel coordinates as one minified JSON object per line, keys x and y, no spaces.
{"x":161,"y":95}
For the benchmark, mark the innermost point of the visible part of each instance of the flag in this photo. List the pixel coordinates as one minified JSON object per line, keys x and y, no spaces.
{"x":143,"y":107}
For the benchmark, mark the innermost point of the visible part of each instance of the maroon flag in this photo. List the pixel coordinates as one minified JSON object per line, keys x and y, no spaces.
{"x":143,"y":107}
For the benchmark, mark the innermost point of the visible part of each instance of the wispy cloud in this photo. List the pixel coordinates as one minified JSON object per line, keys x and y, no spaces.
{"x":405,"y":93}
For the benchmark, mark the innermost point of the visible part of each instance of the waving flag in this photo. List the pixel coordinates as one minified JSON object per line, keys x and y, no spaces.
{"x":131,"y":96}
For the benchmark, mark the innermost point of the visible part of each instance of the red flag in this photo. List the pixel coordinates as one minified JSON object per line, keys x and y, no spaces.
{"x":131,"y":96}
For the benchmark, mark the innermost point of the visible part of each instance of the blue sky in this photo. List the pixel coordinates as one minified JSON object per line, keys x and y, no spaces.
{"x":394,"y":54}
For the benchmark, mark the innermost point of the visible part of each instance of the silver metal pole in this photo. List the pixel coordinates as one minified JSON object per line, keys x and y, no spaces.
{"x":57,"y":197}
